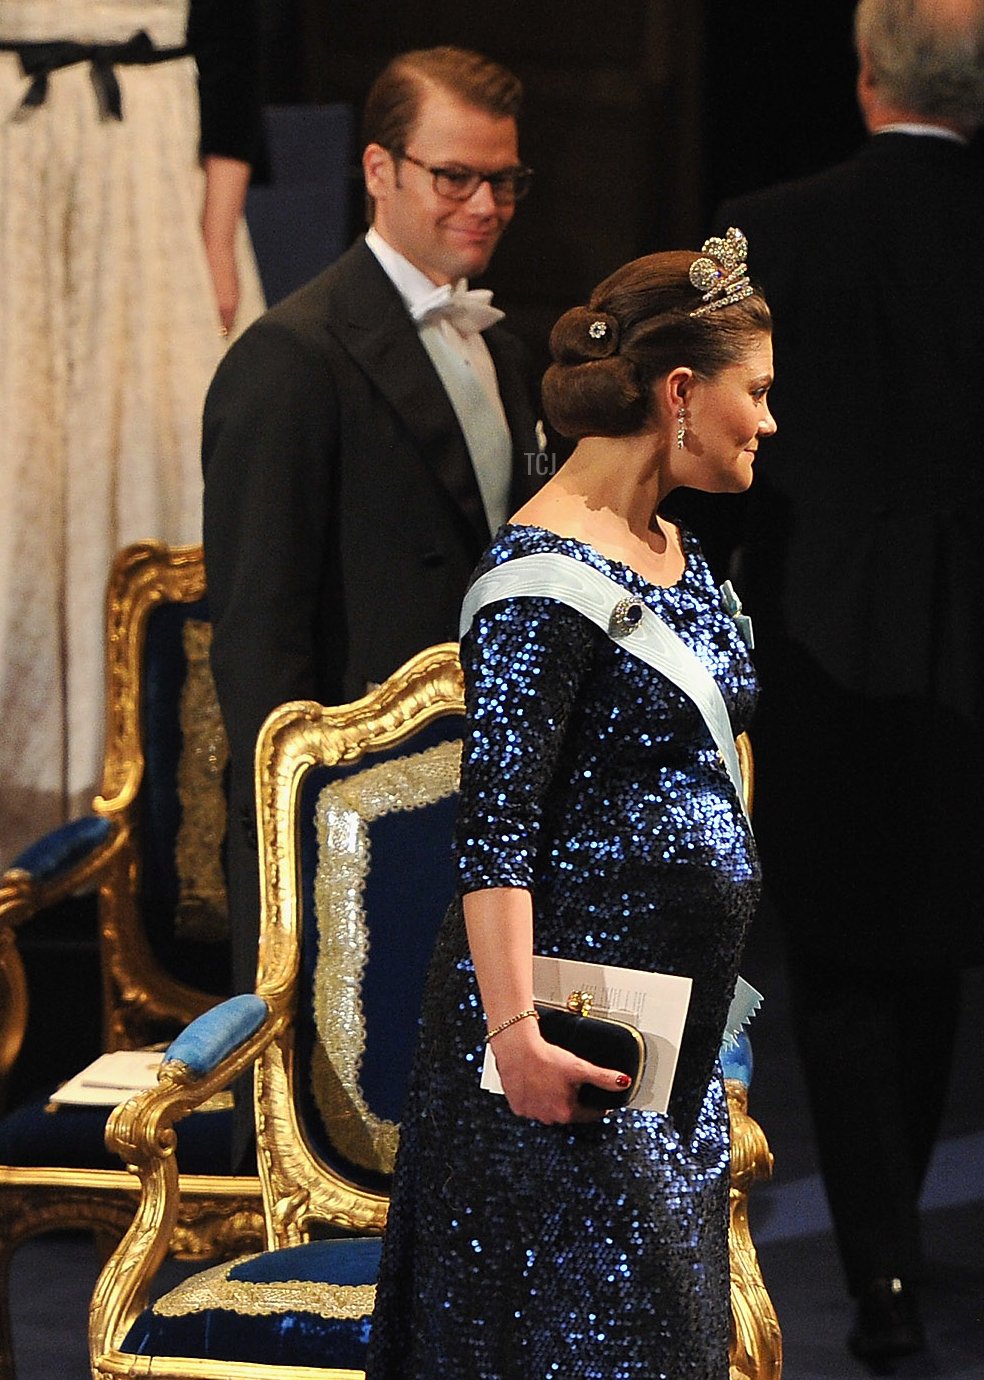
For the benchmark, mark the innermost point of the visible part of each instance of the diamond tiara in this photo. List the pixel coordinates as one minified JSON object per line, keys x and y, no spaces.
{"x":722,"y":275}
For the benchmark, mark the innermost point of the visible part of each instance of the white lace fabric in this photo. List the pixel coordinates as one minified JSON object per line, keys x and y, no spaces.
{"x":109,"y":335}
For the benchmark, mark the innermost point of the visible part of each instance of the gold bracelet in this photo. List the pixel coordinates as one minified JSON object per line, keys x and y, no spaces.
{"x":520,"y":1016}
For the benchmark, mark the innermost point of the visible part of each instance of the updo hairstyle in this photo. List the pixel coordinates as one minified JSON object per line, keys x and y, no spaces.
{"x":637,"y":328}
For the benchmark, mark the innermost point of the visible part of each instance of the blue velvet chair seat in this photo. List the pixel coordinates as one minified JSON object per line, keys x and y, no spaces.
{"x":72,"y":1138}
{"x":294,"y":1306}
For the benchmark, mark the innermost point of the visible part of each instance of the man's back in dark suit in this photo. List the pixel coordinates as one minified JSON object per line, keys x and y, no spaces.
{"x":863,"y":541}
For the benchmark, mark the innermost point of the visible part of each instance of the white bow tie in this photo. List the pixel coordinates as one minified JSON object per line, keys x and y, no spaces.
{"x":468,"y":309}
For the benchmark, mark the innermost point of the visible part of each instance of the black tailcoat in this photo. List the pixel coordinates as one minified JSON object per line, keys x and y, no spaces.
{"x":863,"y":550}
{"x":342,"y":514}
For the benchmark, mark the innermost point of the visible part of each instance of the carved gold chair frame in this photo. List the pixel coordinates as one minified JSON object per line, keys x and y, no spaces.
{"x":756,"y":1338}
{"x":299,"y":1190}
{"x":215,"y":1214}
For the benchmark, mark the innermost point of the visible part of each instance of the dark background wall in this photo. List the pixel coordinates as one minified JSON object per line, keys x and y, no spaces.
{"x":640,"y":114}
{"x":778,"y":93}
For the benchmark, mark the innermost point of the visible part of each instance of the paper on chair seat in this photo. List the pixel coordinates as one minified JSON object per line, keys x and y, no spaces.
{"x":111,"y":1078}
{"x":655,"y":1003}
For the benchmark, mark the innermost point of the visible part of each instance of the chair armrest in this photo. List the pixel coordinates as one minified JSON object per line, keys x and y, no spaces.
{"x":52,"y":868}
{"x":737,"y":1063}
{"x":51,"y":856}
{"x":56,"y":865}
{"x":206,"y":1057}
{"x":217,"y":1034}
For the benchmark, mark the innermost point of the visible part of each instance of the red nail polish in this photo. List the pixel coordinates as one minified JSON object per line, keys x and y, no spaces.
{"x":623,"y":1080}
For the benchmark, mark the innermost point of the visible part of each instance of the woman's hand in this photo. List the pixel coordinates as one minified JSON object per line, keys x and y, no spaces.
{"x":225,"y":280}
{"x":226,"y":180}
{"x":541,"y":1080}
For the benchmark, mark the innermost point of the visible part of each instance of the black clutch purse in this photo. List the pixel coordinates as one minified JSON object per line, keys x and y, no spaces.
{"x":603,"y":1040}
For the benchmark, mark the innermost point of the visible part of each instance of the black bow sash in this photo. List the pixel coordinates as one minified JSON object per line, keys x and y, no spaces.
{"x":39,"y":60}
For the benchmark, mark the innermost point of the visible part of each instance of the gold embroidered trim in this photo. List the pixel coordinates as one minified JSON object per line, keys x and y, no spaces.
{"x":344,"y":811}
{"x":214,"y":1289}
{"x":203,"y":911}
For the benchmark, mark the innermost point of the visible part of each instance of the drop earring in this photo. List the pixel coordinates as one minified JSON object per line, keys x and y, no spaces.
{"x":681,"y":435}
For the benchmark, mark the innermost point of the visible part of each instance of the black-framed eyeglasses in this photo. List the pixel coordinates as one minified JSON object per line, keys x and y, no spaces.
{"x":461,"y":184}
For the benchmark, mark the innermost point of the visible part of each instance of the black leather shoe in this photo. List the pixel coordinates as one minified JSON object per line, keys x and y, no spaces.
{"x":887,"y":1325}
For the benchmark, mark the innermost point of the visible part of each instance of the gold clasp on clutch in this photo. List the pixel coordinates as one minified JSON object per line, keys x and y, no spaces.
{"x":580,"y":1003}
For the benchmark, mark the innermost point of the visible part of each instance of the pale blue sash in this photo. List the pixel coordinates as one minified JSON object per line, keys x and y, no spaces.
{"x":552,"y":575}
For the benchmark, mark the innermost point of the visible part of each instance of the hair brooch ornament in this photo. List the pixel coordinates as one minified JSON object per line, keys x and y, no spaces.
{"x":599,"y":333}
{"x":722,"y":274}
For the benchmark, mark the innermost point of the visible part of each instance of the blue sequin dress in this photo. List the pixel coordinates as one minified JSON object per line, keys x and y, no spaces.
{"x":517,"y":1251}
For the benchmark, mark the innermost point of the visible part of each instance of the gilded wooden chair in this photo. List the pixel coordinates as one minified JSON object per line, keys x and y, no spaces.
{"x":343,"y":951}
{"x":151,"y":848}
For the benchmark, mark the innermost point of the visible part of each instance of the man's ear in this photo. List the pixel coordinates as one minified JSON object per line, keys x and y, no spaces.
{"x":378,"y":170}
{"x":866,"y":83}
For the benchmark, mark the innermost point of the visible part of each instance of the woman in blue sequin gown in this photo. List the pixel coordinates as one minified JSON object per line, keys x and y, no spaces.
{"x":528,"y":1237}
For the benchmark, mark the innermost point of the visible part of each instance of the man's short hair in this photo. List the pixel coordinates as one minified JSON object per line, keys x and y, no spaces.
{"x":926,"y":57}
{"x":393,"y":103}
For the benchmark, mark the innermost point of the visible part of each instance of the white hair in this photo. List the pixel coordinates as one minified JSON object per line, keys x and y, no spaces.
{"x":927,"y":56}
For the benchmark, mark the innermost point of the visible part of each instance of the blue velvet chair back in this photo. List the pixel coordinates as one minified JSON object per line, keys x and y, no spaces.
{"x":372,"y":907}
{"x":356,"y":847}
{"x":163,"y":910}
{"x":182,"y":903}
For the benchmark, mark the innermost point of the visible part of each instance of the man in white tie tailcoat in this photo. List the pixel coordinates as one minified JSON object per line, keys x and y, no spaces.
{"x":365,"y":437}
